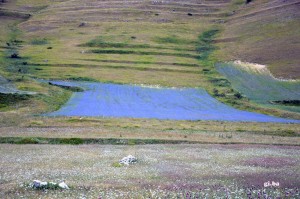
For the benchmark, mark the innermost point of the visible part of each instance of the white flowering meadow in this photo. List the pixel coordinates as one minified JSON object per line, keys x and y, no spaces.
{"x":162,"y":171}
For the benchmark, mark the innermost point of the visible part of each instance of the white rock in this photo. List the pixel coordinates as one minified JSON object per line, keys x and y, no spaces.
{"x":128,"y":160}
{"x":36,"y":184}
{"x":63,"y":185}
{"x":39,"y":184}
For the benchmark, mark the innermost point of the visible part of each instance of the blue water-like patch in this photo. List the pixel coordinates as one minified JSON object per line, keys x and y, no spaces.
{"x":112,"y":100}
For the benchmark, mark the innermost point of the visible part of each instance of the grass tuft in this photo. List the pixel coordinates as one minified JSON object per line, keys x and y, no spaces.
{"x":39,"y":41}
{"x":116,"y":165}
{"x":173,"y":40}
{"x":28,"y":141}
{"x":72,"y":141}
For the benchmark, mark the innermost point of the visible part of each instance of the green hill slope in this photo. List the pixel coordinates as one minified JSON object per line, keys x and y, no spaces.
{"x":167,"y":43}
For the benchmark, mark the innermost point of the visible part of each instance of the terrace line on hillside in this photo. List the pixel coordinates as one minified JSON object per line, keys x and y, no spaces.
{"x":112,"y":100}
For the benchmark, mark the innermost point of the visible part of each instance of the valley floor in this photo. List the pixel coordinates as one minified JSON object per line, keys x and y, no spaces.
{"x":165,"y":171}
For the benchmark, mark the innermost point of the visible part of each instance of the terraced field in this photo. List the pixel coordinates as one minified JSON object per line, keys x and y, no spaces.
{"x":140,"y":42}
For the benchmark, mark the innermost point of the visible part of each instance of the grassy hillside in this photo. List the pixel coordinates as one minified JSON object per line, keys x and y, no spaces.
{"x":124,"y":42}
{"x":265,"y":32}
{"x":167,"y":43}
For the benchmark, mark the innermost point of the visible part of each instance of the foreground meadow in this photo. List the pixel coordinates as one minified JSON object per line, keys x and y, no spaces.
{"x":162,"y":171}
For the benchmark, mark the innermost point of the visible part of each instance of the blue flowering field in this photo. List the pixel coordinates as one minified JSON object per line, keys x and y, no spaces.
{"x":131,"y":101}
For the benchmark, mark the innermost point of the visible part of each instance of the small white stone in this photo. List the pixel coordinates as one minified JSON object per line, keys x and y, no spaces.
{"x":36,"y":184}
{"x":39,"y":184}
{"x":63,"y":185}
{"x":128,"y":160}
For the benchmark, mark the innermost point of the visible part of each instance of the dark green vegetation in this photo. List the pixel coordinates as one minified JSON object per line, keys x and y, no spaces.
{"x":288,"y":102}
{"x":37,"y":140}
{"x":49,"y":186}
{"x":142,"y":53}
{"x":204,"y":45}
{"x":39,"y":41}
{"x":76,"y":141}
{"x":7,"y":100}
{"x":71,"y":88}
{"x":86,"y":79}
